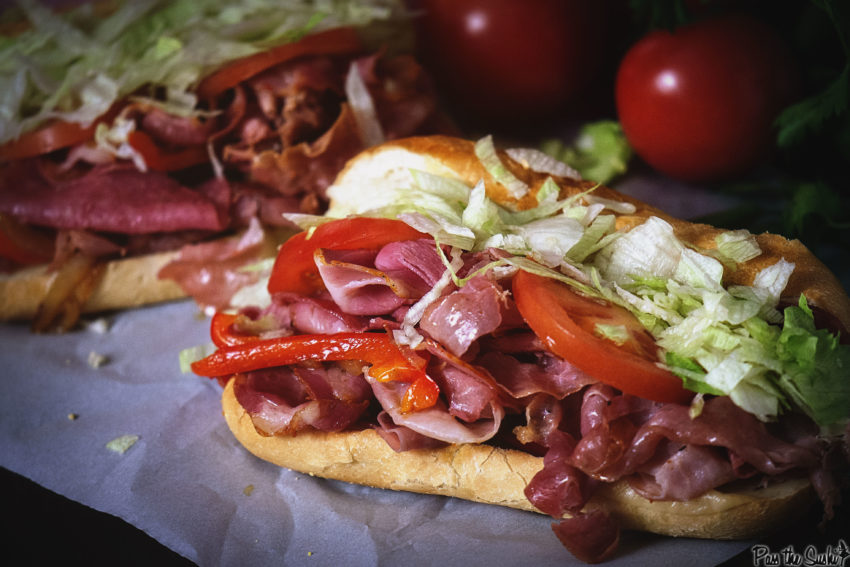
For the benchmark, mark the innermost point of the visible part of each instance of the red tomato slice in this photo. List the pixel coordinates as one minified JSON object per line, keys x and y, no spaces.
{"x":566,"y":322}
{"x":295,"y":270}
{"x":53,"y":136}
{"x":159,"y":160}
{"x":22,"y":244}
{"x":331,"y":42}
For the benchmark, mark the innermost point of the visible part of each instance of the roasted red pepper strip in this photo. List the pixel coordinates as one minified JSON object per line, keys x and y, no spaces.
{"x":388,"y":361}
{"x":158,"y":159}
{"x":223,"y":334}
{"x":421,"y":394}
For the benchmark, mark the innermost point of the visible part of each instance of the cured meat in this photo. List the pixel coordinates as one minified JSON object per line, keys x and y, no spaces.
{"x":547,"y":374}
{"x":401,"y":438}
{"x":458,"y":319}
{"x":434,"y":422}
{"x":210,"y":271}
{"x":291,"y":399}
{"x":413,"y":264}
{"x":108,"y":198}
{"x":358,"y":289}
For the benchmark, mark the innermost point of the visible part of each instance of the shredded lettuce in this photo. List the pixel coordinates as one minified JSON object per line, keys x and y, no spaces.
{"x":74,"y":66}
{"x":193,"y":354}
{"x":485,"y":149}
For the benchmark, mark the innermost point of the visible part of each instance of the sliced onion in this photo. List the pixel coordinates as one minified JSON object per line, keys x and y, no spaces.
{"x":69,"y":291}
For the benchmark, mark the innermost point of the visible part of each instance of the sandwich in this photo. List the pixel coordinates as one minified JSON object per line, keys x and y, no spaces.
{"x":478,"y":323}
{"x":145,"y":143}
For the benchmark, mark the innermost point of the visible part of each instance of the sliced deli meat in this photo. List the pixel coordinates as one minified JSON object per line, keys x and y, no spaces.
{"x":109,"y":199}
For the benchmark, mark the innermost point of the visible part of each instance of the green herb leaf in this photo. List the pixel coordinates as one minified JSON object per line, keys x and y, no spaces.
{"x":808,"y":116}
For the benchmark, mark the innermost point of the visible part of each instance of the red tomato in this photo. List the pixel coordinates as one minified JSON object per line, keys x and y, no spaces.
{"x":698,"y":104}
{"x":566,"y":322}
{"x":503,"y":60}
{"x":329,"y":42}
{"x":295,"y":270}
{"x":53,"y":136}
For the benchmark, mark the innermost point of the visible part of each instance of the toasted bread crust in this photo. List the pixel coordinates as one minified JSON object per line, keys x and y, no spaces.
{"x":492,"y":475}
{"x":126,"y":283}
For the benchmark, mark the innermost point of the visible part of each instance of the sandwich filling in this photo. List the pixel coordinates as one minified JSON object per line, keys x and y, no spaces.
{"x":162,"y":125}
{"x":435,"y":316}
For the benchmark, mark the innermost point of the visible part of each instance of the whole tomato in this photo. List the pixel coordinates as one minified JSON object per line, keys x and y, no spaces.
{"x":499,"y":61}
{"x":699,"y":103}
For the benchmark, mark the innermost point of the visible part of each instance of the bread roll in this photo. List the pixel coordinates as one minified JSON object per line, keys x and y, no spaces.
{"x":492,"y":475}
{"x":128,"y":282}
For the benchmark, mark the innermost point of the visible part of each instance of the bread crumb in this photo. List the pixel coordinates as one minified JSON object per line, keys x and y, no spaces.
{"x":97,"y":360}
{"x":248,"y":490}
{"x":99,"y":326}
{"x":122,"y":444}
{"x":72,"y":416}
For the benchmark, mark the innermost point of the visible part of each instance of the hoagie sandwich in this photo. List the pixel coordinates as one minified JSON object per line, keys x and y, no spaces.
{"x":133,"y":130}
{"x":478,"y":323}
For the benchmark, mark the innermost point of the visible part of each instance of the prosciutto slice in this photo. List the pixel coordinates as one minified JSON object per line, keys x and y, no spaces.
{"x":458,"y":319}
{"x":357,"y":289}
{"x":434,"y":422}
{"x":285,"y":400}
{"x":547,"y":374}
{"x":211,"y":272}
{"x":322,"y":316}
{"x":401,"y":438}
{"x":413,"y":264}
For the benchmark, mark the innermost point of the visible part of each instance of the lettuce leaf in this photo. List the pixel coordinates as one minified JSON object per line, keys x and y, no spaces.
{"x":817,"y":367}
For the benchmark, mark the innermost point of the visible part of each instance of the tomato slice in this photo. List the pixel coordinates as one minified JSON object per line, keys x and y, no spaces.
{"x":295,"y":270}
{"x":160,"y":160}
{"x":567,"y":323}
{"x":22,"y":244}
{"x":53,"y":136}
{"x":330,"y":42}
{"x":389,"y":362}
